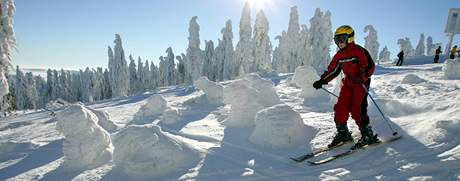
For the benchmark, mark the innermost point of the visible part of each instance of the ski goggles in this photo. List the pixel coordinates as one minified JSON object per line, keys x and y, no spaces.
{"x":342,"y":38}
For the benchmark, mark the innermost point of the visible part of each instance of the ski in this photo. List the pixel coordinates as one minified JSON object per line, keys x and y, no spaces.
{"x":314,"y":153}
{"x":350,"y":151}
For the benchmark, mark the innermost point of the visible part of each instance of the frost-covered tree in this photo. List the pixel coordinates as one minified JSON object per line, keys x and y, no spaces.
{"x":208,"y":70}
{"x":7,"y":43}
{"x":154,"y":76}
{"x":40,"y":86}
{"x":287,"y":55}
{"x":406,"y":46}
{"x":224,"y":61}
{"x":31,"y":91}
{"x":97,"y":80}
{"x":305,"y":50}
{"x":20,"y":89}
{"x":430,"y":47}
{"x":244,"y":52}
{"x":171,"y":66}
{"x":194,"y":53}
{"x":181,"y":68}
{"x":119,"y":78}
{"x":371,"y":43}
{"x":140,"y":74}
{"x":321,"y":36}
{"x":86,"y":78}
{"x":106,"y":88}
{"x":263,"y":47}
{"x":384,"y":55}
{"x":420,"y":49}
{"x":132,"y":76}
{"x":147,"y":79}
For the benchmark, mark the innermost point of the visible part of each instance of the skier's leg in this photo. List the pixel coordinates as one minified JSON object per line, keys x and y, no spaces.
{"x":342,"y":113}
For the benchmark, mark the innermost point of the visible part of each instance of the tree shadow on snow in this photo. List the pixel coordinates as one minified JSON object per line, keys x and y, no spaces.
{"x":34,"y":158}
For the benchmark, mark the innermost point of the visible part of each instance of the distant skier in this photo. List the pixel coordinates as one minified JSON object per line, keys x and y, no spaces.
{"x":452,"y":52}
{"x":400,"y":58}
{"x":437,"y":53}
{"x":357,"y":66}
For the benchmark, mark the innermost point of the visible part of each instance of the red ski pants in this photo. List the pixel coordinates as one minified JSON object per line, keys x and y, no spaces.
{"x":352,"y":99}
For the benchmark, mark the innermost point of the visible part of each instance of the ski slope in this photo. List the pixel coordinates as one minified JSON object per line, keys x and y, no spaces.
{"x":422,"y":105}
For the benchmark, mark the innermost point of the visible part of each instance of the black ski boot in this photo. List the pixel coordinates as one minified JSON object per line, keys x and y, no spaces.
{"x":367,"y":138}
{"x":343,"y":136}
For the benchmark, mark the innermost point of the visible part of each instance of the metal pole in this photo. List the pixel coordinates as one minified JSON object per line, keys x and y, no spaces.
{"x":378,"y":108}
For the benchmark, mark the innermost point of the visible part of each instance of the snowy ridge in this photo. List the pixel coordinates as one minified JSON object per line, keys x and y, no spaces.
{"x":420,"y":101}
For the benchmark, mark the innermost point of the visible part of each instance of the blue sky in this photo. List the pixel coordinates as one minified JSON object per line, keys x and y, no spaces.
{"x":74,"y":34}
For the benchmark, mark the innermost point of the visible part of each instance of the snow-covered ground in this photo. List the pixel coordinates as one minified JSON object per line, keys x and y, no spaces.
{"x":423,"y":106}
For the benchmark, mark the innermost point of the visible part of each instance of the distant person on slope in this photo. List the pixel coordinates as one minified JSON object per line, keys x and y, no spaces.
{"x":437,"y":53}
{"x":357,"y":66}
{"x":400,"y":58}
{"x":452,"y":52}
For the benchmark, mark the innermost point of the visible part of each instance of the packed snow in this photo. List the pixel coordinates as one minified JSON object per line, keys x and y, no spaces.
{"x":86,"y":144}
{"x":451,"y":68}
{"x":183,"y":137}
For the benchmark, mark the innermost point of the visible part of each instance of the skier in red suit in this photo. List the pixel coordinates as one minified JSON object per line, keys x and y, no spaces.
{"x":357,"y":66}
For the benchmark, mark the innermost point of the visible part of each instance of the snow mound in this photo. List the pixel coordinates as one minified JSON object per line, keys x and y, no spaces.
{"x":451,"y":68}
{"x":280,"y":127}
{"x":57,"y":104}
{"x":145,"y":151}
{"x":86,"y":144}
{"x":304,"y":77}
{"x":170,"y":116}
{"x":412,"y":79}
{"x":267,"y":93}
{"x":104,"y":120}
{"x":150,"y":111}
{"x":244,"y":101}
{"x":213,"y":90}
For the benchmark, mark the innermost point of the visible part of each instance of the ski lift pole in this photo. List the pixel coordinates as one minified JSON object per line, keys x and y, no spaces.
{"x":378,"y":108}
{"x":329,"y":92}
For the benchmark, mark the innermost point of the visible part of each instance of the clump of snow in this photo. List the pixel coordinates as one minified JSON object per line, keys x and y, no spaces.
{"x":154,"y":107}
{"x":213,"y":90}
{"x":399,"y":89}
{"x":86,"y":144}
{"x":412,"y":79}
{"x":280,"y":127}
{"x":244,"y":101}
{"x":145,"y":151}
{"x":105,"y":120}
{"x":170,"y":116}
{"x":304,"y":77}
{"x":451,"y":68}
{"x":57,"y":104}
{"x":268,"y":96}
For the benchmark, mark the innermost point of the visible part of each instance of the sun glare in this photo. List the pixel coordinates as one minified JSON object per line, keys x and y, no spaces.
{"x":260,"y":4}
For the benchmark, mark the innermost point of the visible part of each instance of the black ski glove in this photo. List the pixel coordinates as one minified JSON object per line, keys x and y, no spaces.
{"x":318,"y":84}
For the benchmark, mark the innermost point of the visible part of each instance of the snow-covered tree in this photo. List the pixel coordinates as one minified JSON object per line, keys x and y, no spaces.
{"x":171,"y":66}
{"x":208,"y":70}
{"x":132,"y":76}
{"x":86,"y":78}
{"x":321,"y":36}
{"x":181,"y":68}
{"x":31,"y":91}
{"x":21,"y":89}
{"x":106,"y":89}
{"x":287,"y":55}
{"x":384,"y":55}
{"x":119,"y":78}
{"x":97,"y":80}
{"x":263,"y":47}
{"x":194,"y":53}
{"x":305,"y":50}
{"x":140,"y":74}
{"x":154,"y":76}
{"x":371,"y":43}
{"x":420,"y":49}
{"x":224,"y":59}
{"x":244,"y":52}
{"x":40,"y":86}
{"x":430,"y":47}
{"x":406,"y":46}
{"x":7,"y":42}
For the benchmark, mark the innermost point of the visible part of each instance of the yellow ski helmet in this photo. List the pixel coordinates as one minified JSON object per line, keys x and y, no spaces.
{"x":344,"y":33}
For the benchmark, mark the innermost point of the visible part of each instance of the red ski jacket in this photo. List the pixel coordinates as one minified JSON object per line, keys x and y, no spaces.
{"x":355,"y":62}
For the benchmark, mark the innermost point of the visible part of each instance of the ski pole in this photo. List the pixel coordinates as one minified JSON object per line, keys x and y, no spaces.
{"x":378,"y":108}
{"x":329,"y":92}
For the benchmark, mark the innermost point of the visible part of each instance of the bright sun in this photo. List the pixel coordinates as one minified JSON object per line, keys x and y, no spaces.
{"x":260,"y":4}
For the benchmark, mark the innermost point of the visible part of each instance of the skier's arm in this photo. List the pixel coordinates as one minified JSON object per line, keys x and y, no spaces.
{"x":333,"y":70}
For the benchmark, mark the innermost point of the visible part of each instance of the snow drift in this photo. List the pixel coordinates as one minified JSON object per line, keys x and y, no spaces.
{"x":104,"y":120}
{"x":150,"y":111}
{"x":412,"y":79}
{"x":304,"y":77}
{"x":147,"y":152}
{"x":247,"y":96}
{"x":213,"y":90}
{"x":451,"y":68}
{"x":170,"y":116}
{"x":86,"y":144}
{"x":280,"y":127}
